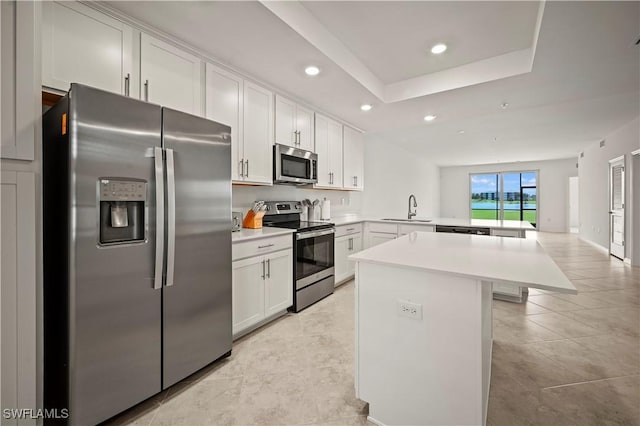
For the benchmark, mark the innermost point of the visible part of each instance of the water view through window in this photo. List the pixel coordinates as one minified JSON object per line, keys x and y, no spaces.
{"x":505,"y":196}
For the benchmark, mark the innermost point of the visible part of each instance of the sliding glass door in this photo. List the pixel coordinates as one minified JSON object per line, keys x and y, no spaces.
{"x":505,"y":196}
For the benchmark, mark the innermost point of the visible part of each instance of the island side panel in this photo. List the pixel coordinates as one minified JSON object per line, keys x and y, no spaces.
{"x":487,"y":343}
{"x":421,"y":371}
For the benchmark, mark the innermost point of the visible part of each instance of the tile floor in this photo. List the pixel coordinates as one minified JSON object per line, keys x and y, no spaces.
{"x":557,"y":360}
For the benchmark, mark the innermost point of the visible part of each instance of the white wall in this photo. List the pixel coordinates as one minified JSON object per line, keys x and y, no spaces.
{"x":574,"y":202}
{"x":594,"y":183}
{"x":553,"y":190}
{"x":391,"y":175}
{"x":342,"y":202}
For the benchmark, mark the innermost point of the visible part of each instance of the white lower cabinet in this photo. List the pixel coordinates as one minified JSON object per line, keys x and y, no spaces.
{"x":262,"y":288}
{"x":376,"y":238}
{"x":345,"y":246}
{"x":278,"y":294}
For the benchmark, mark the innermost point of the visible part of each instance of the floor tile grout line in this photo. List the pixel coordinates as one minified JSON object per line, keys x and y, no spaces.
{"x":590,"y":381}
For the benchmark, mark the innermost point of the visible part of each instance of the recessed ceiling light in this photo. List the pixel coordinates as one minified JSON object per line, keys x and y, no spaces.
{"x":365,"y":107}
{"x":461,"y":132}
{"x":504,"y":105}
{"x":312,"y":70}
{"x":438,"y":48}
{"x":430,"y":117}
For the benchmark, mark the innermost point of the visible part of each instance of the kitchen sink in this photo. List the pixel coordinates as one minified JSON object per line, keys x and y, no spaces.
{"x":408,"y":220}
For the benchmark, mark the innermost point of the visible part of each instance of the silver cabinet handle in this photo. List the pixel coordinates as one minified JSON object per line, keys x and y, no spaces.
{"x":266,"y":246}
{"x":268,"y":268}
{"x":356,"y":180}
{"x":159,"y":169}
{"x":247,"y":172}
{"x":263,"y":273}
{"x":171,"y":217}
{"x":241,"y":168}
{"x":299,"y":138}
{"x":350,"y":244}
{"x":146,"y":90}
{"x":127,"y":82}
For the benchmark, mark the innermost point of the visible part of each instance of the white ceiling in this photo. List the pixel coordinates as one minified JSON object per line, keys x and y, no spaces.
{"x":472,"y":31}
{"x":584,"y":81}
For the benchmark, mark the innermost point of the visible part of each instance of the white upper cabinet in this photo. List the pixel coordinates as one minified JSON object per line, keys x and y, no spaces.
{"x":257,"y":151}
{"x":170,"y":76}
{"x":82,"y":45}
{"x":328,"y":146}
{"x":353,"y":178}
{"x":294,"y":124}
{"x":224,"y":104}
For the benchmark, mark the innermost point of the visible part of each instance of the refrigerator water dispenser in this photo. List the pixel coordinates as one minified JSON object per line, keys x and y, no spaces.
{"x":122,"y":210}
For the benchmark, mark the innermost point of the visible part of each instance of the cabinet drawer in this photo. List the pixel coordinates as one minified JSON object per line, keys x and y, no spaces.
{"x":387,"y":228}
{"x":243,"y":249}
{"x":353,"y":228}
{"x":507,"y":233}
{"x":407,"y":229}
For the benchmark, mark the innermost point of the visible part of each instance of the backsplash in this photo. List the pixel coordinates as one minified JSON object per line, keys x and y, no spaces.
{"x":342,"y":202}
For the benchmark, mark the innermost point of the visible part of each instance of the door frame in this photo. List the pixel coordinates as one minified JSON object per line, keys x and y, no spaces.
{"x":612,"y":163}
{"x":634,"y":257}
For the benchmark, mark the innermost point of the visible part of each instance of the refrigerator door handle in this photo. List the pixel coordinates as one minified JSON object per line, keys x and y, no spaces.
{"x":159,"y":168}
{"x":171,"y":217}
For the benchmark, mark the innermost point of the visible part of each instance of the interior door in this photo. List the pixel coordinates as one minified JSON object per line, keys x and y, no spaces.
{"x":616,"y":207}
{"x":197,"y":293}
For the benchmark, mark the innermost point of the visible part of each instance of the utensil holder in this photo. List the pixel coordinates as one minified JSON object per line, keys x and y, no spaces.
{"x":253,"y":220}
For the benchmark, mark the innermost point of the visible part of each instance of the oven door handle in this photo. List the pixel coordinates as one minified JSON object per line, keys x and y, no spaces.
{"x":305,"y":235}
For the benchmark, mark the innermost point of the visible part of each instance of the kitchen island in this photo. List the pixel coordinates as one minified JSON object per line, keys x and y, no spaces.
{"x":424,"y":322}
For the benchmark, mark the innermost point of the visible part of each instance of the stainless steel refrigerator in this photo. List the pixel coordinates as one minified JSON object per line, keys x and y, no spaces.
{"x":137,"y":250}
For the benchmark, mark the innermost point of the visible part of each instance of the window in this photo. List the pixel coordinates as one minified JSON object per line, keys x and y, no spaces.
{"x":505,"y":196}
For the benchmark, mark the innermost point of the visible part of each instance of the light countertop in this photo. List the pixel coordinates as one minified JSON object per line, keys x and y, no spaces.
{"x":510,"y":260}
{"x":447,"y":221}
{"x":245,"y":234}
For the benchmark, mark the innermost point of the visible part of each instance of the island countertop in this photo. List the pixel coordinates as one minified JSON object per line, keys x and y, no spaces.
{"x":497,"y":259}
{"x":445,"y":221}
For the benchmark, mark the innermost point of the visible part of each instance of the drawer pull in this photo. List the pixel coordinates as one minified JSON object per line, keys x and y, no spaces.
{"x":351,"y":229}
{"x":268,"y":245}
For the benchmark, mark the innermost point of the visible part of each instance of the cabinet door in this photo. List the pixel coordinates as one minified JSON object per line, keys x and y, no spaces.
{"x":279,"y":282}
{"x":18,"y":310}
{"x":356,"y":246}
{"x":258,"y":134}
{"x":248,"y":292}
{"x":341,"y":252}
{"x":353,"y":159}
{"x":82,"y":45}
{"x":335,"y":153}
{"x":169,"y":76}
{"x":224,"y":100}
{"x":304,"y":126}
{"x":322,"y":149}
{"x":376,"y":238}
{"x":286,"y":122}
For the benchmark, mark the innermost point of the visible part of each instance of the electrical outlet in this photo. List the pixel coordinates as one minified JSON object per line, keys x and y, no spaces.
{"x":409,"y":309}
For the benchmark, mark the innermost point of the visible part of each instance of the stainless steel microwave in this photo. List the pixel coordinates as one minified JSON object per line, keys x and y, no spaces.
{"x":294,"y":165}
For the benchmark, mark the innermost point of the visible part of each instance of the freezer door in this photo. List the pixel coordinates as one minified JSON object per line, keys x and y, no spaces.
{"x":197,"y":292}
{"x":115,"y":312}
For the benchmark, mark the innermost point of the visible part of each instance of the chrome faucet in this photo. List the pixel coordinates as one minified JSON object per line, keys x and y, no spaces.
{"x":415,"y":204}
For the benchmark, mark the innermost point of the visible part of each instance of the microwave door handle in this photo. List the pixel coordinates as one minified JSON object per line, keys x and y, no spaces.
{"x":171,"y":217}
{"x":159,"y":170}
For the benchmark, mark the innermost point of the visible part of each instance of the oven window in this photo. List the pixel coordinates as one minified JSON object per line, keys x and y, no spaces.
{"x":295,"y":166}
{"x":313,"y":255}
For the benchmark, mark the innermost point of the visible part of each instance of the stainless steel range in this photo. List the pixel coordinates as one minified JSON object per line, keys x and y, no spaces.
{"x":313,"y":245}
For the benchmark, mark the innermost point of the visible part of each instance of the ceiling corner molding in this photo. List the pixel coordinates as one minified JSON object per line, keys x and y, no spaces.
{"x":304,"y":23}
{"x":536,"y":31}
{"x":498,"y":67}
